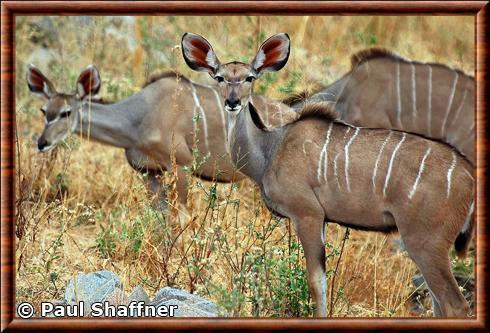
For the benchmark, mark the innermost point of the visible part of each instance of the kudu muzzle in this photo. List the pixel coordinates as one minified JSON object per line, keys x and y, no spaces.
{"x":42,"y":143}
{"x":232,"y":102}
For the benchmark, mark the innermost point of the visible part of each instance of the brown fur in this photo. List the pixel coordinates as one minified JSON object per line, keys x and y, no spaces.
{"x":367,"y":54}
{"x":358,"y":59}
{"x":298,"y":97}
{"x":317,"y":111}
{"x":295,"y":189}
{"x":167,"y":110}
{"x":101,"y":101}
{"x":164,"y":75}
{"x":291,"y":183}
{"x":364,"y":55}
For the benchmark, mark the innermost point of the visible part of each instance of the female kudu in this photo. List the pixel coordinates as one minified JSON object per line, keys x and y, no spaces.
{"x":318,"y":169}
{"x":384,"y":90}
{"x":170,"y":107}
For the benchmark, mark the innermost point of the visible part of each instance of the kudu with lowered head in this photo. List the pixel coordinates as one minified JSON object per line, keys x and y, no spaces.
{"x":148,"y":125}
{"x":318,"y":169}
{"x":384,"y":90}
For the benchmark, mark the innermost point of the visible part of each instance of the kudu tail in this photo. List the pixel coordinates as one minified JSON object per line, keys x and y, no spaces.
{"x":462,"y":242}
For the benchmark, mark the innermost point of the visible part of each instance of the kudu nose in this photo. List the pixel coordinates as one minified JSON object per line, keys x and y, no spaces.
{"x":41,"y":143}
{"x":232,"y":103}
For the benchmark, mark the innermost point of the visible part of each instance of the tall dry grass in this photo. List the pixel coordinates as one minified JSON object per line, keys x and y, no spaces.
{"x":82,"y":208}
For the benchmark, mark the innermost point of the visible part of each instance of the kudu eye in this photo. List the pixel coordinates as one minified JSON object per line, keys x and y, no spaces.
{"x":65,"y":114}
{"x":219,"y":79}
{"x":250,"y":78}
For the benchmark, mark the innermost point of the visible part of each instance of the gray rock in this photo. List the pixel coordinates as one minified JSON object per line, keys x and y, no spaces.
{"x":91,"y":288}
{"x":139,"y":295}
{"x":117,"y":297}
{"x":185,"y":309}
{"x":168,"y":293}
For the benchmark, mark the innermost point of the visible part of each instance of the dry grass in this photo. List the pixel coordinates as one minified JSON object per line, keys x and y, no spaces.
{"x":82,"y":208}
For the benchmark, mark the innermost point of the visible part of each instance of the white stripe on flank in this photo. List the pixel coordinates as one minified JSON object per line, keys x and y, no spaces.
{"x":320,"y":162}
{"x":375,"y":171}
{"x":323,"y":159}
{"x":335,"y":168}
{"x":469,"y":174}
{"x":346,"y":149}
{"x":459,"y":137}
{"x":472,"y":127}
{"x":222,"y":114}
{"x":429,"y":102}
{"x":336,"y":158}
{"x":390,"y":166}
{"x":414,"y":94}
{"x":198,"y":106}
{"x":460,"y":107}
{"x":450,"y":103}
{"x":398,"y":97}
{"x":449,"y":174}
{"x":421,"y":170}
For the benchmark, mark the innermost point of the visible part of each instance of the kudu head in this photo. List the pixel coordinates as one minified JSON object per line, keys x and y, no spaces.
{"x":61,"y":111}
{"x":235,"y":78}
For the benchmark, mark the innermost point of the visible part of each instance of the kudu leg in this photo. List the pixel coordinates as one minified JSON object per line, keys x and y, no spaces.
{"x":310,"y":232}
{"x":182,"y":189}
{"x":155,"y":184}
{"x":301,"y":205}
{"x":434,"y":264}
{"x":436,"y":308}
{"x":182,"y":186}
{"x":153,"y":176}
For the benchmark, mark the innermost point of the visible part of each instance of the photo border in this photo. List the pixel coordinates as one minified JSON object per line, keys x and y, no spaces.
{"x":9,"y":9}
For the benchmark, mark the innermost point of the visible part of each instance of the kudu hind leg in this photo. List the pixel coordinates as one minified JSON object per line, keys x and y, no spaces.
{"x":434,"y":264}
{"x":436,"y":308}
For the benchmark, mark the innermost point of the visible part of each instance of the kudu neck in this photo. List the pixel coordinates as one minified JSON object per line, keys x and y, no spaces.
{"x":112,"y":124}
{"x":252,"y":148}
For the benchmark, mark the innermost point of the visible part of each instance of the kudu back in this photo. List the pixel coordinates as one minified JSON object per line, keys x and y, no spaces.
{"x":384,"y":90}
{"x":171,"y":113}
{"x":318,"y":169}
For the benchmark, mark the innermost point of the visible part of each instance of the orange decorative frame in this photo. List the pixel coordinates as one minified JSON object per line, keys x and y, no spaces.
{"x":10,"y":9}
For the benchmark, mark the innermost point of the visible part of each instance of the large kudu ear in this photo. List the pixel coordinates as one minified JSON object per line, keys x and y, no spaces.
{"x":88,"y":83}
{"x":273,"y":54}
{"x":38,"y":83}
{"x":198,"y":53}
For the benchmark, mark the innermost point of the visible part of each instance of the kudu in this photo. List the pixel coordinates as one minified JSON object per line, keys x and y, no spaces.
{"x":161,"y":117}
{"x":318,"y":169}
{"x":384,"y":90}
